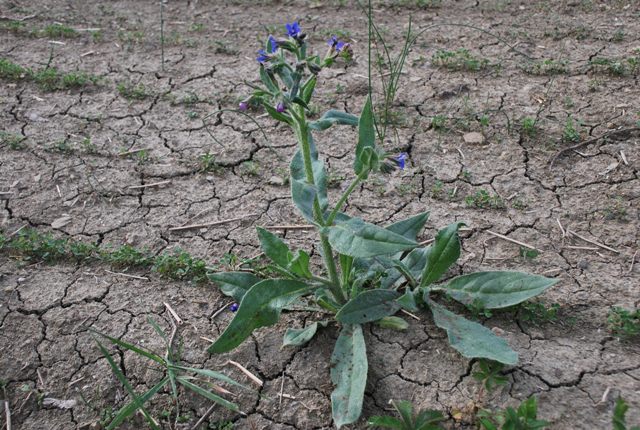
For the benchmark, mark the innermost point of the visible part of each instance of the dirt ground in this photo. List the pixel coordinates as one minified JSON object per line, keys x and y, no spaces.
{"x":57,"y":181}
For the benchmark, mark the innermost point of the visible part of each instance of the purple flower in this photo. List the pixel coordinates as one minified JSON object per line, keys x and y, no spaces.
{"x":243,"y":106}
{"x":400,"y":159}
{"x":337,"y":44}
{"x":272,"y":46}
{"x":280,"y":107}
{"x":233,"y":307}
{"x":293,"y":29}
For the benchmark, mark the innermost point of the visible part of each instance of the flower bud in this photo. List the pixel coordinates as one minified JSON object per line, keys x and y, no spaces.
{"x":280,"y":107}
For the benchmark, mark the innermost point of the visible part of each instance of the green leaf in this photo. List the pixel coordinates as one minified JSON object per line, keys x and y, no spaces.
{"x":408,"y":300}
{"x":441,"y":254}
{"x":414,"y":262}
{"x":386,"y":422}
{"x":427,"y":420}
{"x":286,"y":76}
{"x":471,"y":339}
{"x":234,"y":284}
{"x":274,"y":248}
{"x":138,"y":350}
{"x":210,"y":374}
{"x":300,"y":336}
{"x":275,"y":114}
{"x":307,"y":89}
{"x":207,"y":394}
{"x":405,"y":409}
{"x":370,"y":305}
{"x":299,"y":265}
{"x":349,"y":375}
{"x":260,"y":307}
{"x":129,"y":409}
{"x":138,"y":402}
{"x":366,"y":140}
{"x":619,"y":412}
{"x":361,"y":239}
{"x":410,"y":227}
{"x":493,"y":290}
{"x":268,"y":82}
{"x":332,"y":117}
{"x":393,"y":323}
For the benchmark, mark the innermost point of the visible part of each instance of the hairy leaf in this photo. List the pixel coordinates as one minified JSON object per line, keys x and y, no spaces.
{"x":300,"y":336}
{"x":274,"y":247}
{"x":299,"y":264}
{"x":365,"y":149}
{"x":370,"y":305}
{"x":393,"y":323}
{"x":260,"y":307}
{"x":349,"y":375}
{"x":333,"y":117}
{"x":441,"y":254}
{"x":471,"y":339}
{"x":410,"y":227}
{"x":493,"y":290}
{"x":234,"y":284}
{"x":361,"y":239}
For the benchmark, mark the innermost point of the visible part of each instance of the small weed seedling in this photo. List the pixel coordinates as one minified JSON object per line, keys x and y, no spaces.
{"x":523,"y":418}
{"x":489,"y":374}
{"x":49,"y":78}
{"x":208,"y":163}
{"x":131,"y":91}
{"x":569,"y":133}
{"x":529,"y":127}
{"x":57,"y":31}
{"x":355,"y":253}
{"x":173,"y":375}
{"x":483,"y":200}
{"x":180,"y":265}
{"x":459,"y":60}
{"x":547,"y":67}
{"x":425,"y":420}
{"x":624,"y":323}
{"x":619,"y":416}
{"x":13,"y":141}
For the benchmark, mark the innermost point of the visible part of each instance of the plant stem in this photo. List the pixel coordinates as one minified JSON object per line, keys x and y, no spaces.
{"x":327,"y":253}
{"x":356,"y":181}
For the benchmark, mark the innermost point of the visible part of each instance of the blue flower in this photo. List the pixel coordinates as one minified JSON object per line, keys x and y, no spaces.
{"x":272,"y":46}
{"x":293,"y":29}
{"x":233,"y":307}
{"x":400,"y":159}
{"x":262,"y":56}
{"x":337,"y":44}
{"x":281,"y":107}
{"x":243,"y":106}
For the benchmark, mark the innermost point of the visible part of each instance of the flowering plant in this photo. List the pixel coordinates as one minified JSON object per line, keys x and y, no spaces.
{"x":371,"y":272}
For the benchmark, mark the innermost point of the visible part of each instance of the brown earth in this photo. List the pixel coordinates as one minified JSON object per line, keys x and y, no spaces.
{"x":574,"y":365}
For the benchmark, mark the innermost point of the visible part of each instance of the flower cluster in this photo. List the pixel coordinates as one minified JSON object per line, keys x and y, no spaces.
{"x":272,"y":47}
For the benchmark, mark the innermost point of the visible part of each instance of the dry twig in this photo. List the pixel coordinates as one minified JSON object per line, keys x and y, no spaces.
{"x":211,"y":224}
{"x":517,"y":242}
{"x":611,"y":133}
{"x":593,"y":242}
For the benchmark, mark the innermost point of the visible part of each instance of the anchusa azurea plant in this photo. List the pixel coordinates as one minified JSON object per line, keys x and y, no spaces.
{"x":371,"y":272}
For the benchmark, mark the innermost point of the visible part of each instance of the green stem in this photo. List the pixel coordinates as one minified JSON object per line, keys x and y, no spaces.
{"x":343,"y":199}
{"x":327,"y":251}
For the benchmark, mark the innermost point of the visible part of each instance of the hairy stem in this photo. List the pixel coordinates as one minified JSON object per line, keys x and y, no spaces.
{"x":343,"y":199}
{"x":327,"y":252}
